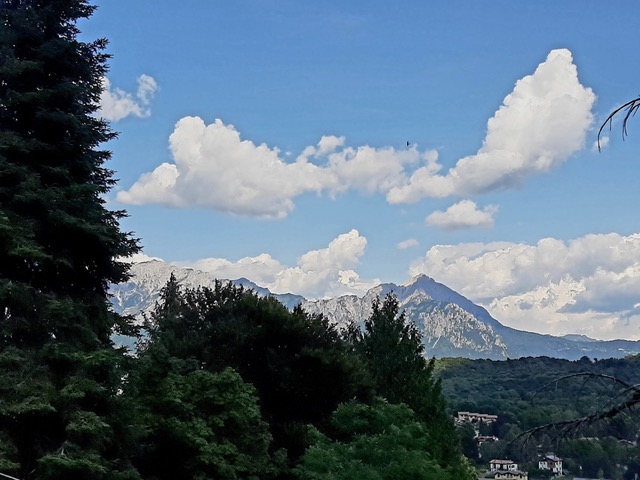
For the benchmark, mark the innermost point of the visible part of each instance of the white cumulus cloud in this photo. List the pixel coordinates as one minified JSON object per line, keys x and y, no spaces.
{"x":116,"y":104}
{"x":326,"y":272}
{"x":213,"y":167}
{"x":539,"y":125}
{"x":588,"y":285}
{"x":464,"y":214}
{"x":408,"y":243}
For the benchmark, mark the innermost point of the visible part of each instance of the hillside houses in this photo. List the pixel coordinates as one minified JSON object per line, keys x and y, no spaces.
{"x":505,"y":470}
{"x":475,"y":418}
{"x":486,"y":439}
{"x":551,"y":462}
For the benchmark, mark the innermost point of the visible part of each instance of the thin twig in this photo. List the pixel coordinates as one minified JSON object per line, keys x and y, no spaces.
{"x":8,"y":476}
{"x":582,"y":374}
{"x":631,"y":107}
{"x":567,"y":426}
{"x":609,"y":410}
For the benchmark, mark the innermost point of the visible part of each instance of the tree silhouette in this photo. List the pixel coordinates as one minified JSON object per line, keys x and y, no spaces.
{"x":60,"y":415}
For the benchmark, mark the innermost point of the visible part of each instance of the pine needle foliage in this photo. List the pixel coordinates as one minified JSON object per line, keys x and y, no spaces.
{"x":59,"y":248}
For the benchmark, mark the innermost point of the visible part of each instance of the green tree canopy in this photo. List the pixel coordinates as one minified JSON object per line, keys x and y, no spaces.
{"x":59,"y":251}
{"x":202,"y":425}
{"x":299,"y":365}
{"x":381,"y":441}
{"x":391,"y":347}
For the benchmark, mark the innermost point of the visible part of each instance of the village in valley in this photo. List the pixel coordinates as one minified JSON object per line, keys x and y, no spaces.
{"x":504,"y":468}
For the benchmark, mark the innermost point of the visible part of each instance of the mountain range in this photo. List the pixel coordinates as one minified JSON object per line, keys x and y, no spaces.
{"x":451,"y":325}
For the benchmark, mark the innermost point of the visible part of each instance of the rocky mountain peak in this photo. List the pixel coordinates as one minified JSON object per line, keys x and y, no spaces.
{"x":451,"y":324}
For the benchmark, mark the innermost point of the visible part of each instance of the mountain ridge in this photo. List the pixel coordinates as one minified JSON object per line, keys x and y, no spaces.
{"x":451,"y":324}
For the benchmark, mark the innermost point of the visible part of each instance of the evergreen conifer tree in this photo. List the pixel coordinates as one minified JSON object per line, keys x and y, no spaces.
{"x":59,"y":250}
{"x":391,"y":346}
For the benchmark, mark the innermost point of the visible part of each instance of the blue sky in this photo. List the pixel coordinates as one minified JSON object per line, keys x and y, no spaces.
{"x":268,"y":139}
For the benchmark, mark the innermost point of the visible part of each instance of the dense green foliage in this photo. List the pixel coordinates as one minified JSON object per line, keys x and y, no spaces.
{"x":60,"y":416}
{"x":294,"y":372}
{"x":298,"y":364}
{"x":381,"y":441}
{"x":201,"y":425}
{"x":392,"y":348}
{"x":533,"y":392}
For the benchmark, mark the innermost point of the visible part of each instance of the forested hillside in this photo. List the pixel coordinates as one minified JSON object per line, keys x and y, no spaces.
{"x":533,"y":392}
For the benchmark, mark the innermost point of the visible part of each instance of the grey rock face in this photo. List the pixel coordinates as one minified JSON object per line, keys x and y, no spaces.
{"x":451,"y":325}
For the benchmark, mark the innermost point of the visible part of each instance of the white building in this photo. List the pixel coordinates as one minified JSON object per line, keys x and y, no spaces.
{"x":551,"y":462}
{"x":505,"y":470}
{"x":508,"y":475}
{"x":508,"y":465}
{"x":474,"y":418}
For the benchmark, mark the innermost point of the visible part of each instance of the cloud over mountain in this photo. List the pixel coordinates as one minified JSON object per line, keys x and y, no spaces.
{"x":588,"y":285}
{"x":327,"y":271}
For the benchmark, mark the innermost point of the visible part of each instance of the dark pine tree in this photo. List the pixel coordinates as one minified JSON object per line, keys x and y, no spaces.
{"x":59,"y":251}
{"x":391,"y":346}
